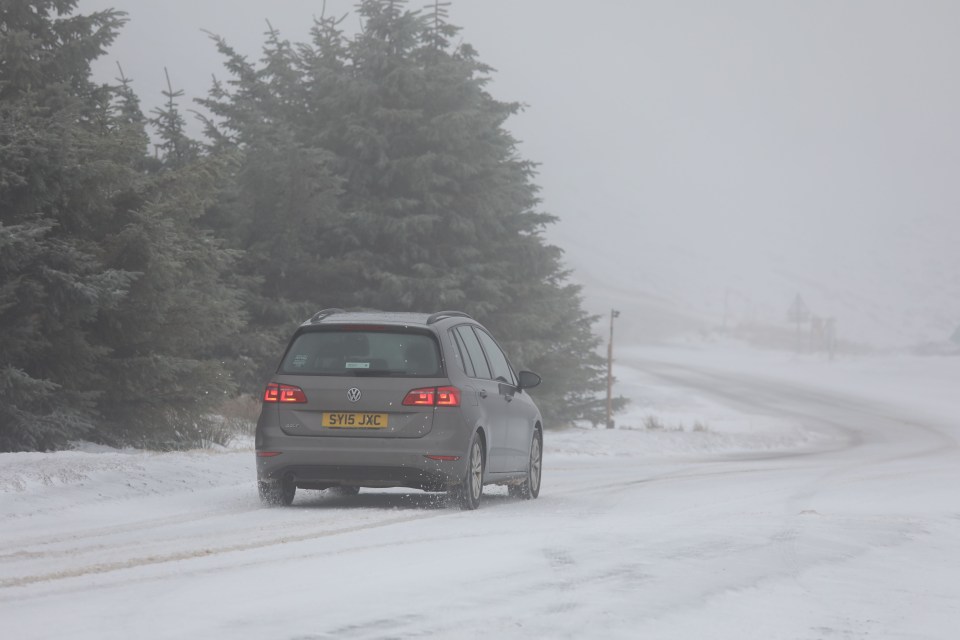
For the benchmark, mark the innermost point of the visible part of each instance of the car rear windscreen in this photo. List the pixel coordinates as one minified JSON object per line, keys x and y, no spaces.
{"x":353,"y":352}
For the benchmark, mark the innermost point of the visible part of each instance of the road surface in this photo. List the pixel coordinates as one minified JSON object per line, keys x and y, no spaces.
{"x":856,"y":537}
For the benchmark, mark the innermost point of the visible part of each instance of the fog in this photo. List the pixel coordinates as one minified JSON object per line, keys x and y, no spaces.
{"x":708,"y":161}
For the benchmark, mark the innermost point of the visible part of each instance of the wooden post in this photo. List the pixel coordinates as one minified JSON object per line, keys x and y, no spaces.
{"x":613,"y":314}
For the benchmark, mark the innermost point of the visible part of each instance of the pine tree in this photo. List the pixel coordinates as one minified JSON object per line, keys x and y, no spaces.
{"x":113,"y":300}
{"x":177,"y":148}
{"x":461,"y":206}
{"x":404,"y":190}
{"x":52,"y":121}
{"x":280,"y":208}
{"x":183,"y":310}
{"x":48,"y":376}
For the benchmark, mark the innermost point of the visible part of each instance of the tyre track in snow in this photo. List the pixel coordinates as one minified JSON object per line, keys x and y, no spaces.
{"x":214,"y":543}
{"x":204,"y":552}
{"x":101,"y":532}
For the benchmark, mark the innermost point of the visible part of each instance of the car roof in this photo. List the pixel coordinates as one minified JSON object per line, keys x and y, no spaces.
{"x":329,"y":317}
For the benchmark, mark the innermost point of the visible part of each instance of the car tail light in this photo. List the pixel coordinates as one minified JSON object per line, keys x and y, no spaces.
{"x":442,"y":458}
{"x":267,"y":454}
{"x":433,"y":397}
{"x":420,"y":397}
{"x":448,"y":397}
{"x":285,"y":393}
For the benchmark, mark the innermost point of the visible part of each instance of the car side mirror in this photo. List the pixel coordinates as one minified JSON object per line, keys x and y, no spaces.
{"x":528,"y":379}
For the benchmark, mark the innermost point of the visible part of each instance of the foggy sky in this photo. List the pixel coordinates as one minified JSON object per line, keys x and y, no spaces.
{"x":694,"y":149}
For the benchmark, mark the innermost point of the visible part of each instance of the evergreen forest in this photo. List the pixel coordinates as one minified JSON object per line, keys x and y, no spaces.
{"x":147,"y":277}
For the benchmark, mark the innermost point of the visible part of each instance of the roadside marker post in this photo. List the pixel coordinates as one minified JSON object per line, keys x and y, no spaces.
{"x":613,"y":314}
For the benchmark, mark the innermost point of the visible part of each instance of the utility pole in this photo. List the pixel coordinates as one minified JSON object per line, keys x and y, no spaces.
{"x":613,"y":314}
{"x":799,"y":313}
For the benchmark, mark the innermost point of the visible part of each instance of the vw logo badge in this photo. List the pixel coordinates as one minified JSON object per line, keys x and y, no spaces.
{"x":353,"y":394}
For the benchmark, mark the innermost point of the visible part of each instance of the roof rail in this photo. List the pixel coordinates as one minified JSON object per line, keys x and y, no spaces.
{"x":440,"y":315}
{"x":323,"y":313}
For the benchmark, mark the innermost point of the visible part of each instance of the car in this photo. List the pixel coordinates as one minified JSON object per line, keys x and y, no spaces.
{"x":382,"y":399}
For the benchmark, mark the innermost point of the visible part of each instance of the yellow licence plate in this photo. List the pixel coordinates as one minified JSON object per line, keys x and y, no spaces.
{"x":355,"y":420}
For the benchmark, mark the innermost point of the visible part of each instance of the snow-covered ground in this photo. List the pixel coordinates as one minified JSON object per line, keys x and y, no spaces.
{"x":743,"y":495}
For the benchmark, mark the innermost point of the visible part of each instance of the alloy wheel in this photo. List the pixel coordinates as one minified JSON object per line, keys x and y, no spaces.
{"x":476,"y":471}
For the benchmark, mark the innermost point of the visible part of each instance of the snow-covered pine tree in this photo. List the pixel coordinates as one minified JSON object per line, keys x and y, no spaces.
{"x":182,"y":311}
{"x":57,"y":164}
{"x":379,"y":173}
{"x":112,"y":298}
{"x":279,"y":208}
{"x":454,"y":219}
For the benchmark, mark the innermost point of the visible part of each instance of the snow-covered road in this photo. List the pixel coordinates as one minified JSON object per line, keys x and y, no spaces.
{"x":845,"y":525}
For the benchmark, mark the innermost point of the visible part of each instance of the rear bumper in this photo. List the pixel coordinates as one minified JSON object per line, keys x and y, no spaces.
{"x":322,"y":477}
{"x":321,"y":462}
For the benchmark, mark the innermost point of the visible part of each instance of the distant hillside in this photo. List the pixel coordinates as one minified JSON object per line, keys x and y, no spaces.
{"x":889,"y":288}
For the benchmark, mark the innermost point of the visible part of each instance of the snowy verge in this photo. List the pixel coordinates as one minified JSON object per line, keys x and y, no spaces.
{"x":666,"y":421}
{"x":32,"y":483}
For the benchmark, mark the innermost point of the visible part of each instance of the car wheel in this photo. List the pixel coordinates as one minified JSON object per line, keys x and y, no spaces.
{"x":530,"y":487}
{"x":470,"y":489}
{"x":277,"y":493}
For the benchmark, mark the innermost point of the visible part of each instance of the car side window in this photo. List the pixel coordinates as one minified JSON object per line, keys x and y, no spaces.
{"x":498,"y":361}
{"x":460,"y":352}
{"x":475,"y":351}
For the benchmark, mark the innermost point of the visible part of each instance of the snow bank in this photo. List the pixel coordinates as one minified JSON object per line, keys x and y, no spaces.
{"x":34,"y":483}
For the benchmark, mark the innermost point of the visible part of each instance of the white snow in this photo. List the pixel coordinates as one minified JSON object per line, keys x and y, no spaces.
{"x":816,"y":500}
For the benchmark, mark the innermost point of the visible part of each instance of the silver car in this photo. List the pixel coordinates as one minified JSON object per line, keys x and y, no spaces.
{"x":377,"y":399}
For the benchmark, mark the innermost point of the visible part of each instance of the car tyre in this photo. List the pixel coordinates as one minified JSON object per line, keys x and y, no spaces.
{"x":274,"y":494}
{"x":468,"y":493}
{"x":530,"y":487}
